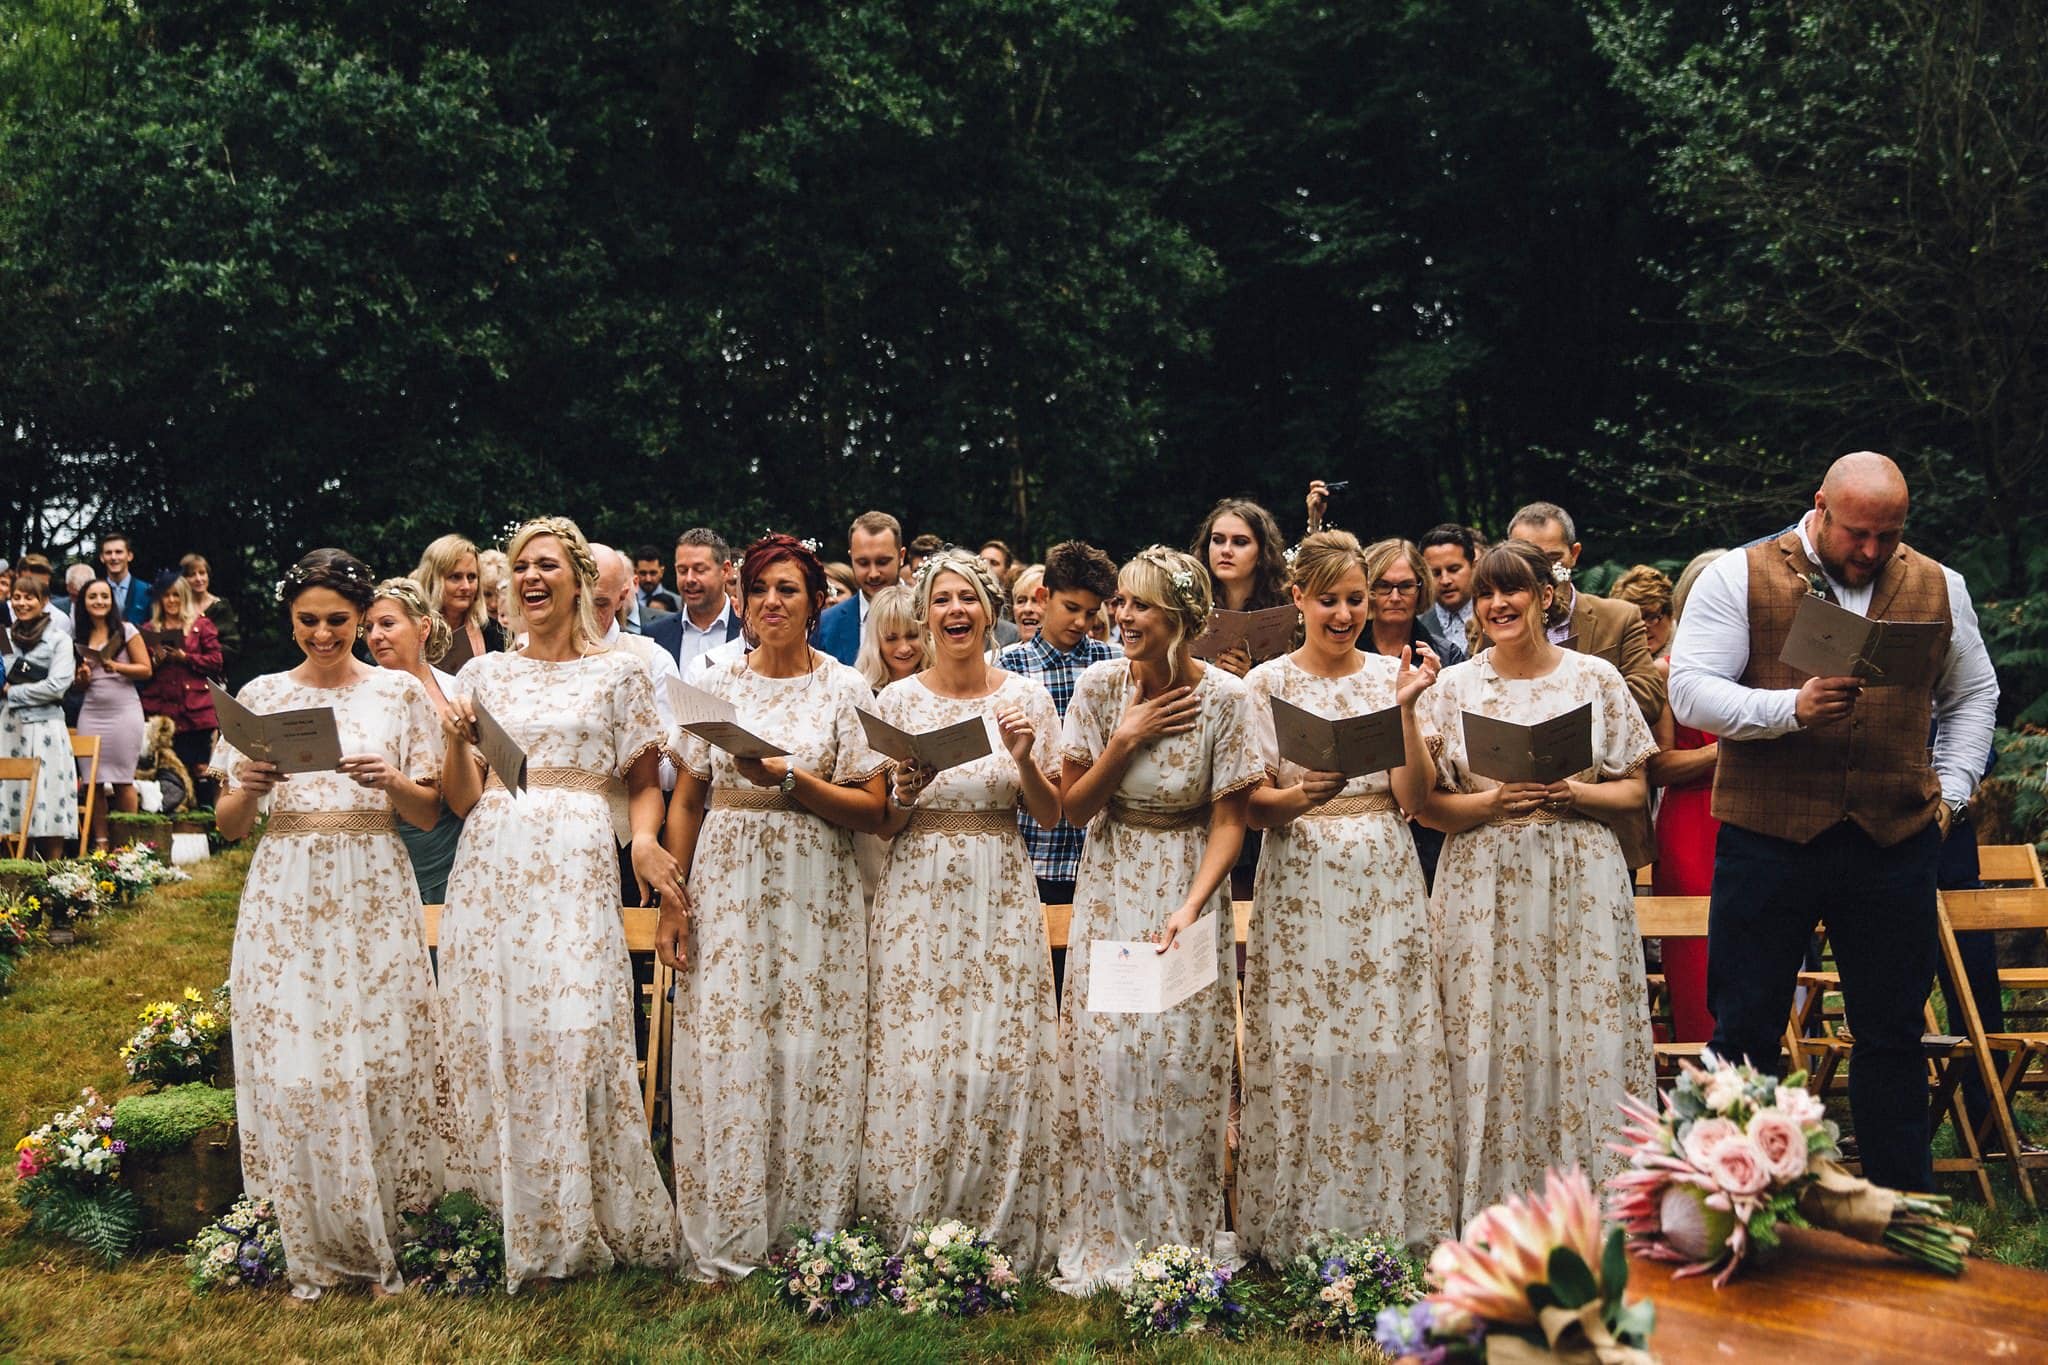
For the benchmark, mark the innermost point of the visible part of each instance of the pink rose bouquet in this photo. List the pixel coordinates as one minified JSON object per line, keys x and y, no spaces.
{"x":1735,"y":1155}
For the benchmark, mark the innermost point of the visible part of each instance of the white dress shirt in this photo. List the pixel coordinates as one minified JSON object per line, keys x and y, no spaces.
{"x":1711,"y":650}
{"x":723,"y":653}
{"x":660,"y":667}
{"x":695,"y":643}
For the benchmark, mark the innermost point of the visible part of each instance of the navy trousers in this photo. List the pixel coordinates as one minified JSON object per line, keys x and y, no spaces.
{"x":1879,"y":907}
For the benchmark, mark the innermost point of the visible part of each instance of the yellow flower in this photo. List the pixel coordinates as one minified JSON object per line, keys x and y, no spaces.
{"x":107,"y":887}
{"x":203,"y":1020}
{"x":192,"y":994}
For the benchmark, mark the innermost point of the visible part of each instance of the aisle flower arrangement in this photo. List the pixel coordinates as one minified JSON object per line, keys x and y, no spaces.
{"x":70,"y":892}
{"x":457,"y":1246}
{"x":1736,"y":1155}
{"x":18,"y":919}
{"x":1533,"y":1278}
{"x":828,"y":1274}
{"x":240,"y":1249}
{"x":1177,"y":1291}
{"x":67,"y":1175}
{"x":179,"y":1040}
{"x":952,"y":1269}
{"x":132,"y":870}
{"x":1338,"y":1285}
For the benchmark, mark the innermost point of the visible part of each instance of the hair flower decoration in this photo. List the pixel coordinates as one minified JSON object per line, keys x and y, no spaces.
{"x":1184,"y":581}
{"x":278,"y":591}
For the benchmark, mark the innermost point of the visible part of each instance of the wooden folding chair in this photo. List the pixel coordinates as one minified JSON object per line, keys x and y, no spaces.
{"x":2022,"y":1054}
{"x":87,"y":749}
{"x":27,"y":770}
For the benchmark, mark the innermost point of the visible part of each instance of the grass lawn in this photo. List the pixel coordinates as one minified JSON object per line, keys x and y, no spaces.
{"x":61,"y":1025}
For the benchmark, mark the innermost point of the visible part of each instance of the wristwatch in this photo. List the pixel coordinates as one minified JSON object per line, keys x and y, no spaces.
{"x":789,"y":780}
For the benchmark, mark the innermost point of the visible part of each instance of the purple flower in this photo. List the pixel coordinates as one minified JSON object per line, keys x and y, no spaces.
{"x":1333,"y":1269}
{"x":120,"y":1147}
{"x":842,"y":1282}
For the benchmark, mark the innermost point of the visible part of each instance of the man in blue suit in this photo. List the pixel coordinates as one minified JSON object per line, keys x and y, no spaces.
{"x":707,"y":620}
{"x":131,"y":594}
{"x":874,"y":546}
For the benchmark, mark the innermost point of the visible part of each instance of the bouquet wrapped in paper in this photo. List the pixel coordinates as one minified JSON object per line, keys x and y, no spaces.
{"x":1735,"y":1155}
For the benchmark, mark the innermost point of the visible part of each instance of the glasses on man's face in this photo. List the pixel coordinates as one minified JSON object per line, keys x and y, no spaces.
{"x":1382,"y":588}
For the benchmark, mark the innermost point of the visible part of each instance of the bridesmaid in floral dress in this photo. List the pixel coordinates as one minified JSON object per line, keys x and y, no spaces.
{"x":772,"y":988}
{"x":536,"y":988}
{"x":1346,"y":1102}
{"x":963,"y":1035}
{"x":1160,"y":747}
{"x":334,"y":1003}
{"x":1540,"y":969}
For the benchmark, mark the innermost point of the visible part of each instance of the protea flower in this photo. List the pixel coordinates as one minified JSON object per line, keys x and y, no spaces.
{"x":1506,"y":1249}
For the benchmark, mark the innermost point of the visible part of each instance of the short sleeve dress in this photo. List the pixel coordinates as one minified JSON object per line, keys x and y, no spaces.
{"x":536,"y":987}
{"x":1346,"y":1102}
{"x":335,"y":1027}
{"x":963,"y":1034}
{"x":1146,"y":1097}
{"x":771,"y":1011}
{"x":1540,"y":968}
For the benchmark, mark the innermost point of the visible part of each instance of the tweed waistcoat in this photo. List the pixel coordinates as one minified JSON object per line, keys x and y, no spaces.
{"x":1875,"y":767}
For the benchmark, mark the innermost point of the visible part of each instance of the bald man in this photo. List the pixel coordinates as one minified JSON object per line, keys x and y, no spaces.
{"x":610,"y":601}
{"x":1830,"y":801}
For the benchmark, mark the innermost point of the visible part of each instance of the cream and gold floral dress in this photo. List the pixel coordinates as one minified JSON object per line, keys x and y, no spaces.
{"x":536,"y":989}
{"x":1346,"y":1103}
{"x":1146,"y":1097}
{"x":335,"y":1040}
{"x":771,"y":1013}
{"x":963,"y":1064}
{"x":1540,"y":970}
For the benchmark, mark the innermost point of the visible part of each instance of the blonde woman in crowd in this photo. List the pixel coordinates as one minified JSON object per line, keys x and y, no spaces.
{"x":402,"y":631}
{"x":451,"y":573}
{"x":840,"y":583}
{"x":536,"y":989}
{"x":962,"y":1031}
{"x":494,"y":581}
{"x":198,"y":575}
{"x":1024,"y":607}
{"x":893,"y":643}
{"x":1332,"y":1050}
{"x":1649,"y":592}
{"x":1160,"y":747}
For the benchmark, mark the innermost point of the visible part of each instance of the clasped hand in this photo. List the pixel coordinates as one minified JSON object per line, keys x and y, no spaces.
{"x":1513,"y":799}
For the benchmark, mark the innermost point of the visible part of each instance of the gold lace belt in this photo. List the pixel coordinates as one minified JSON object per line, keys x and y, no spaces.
{"x":997,"y":820}
{"x":1367,"y":804}
{"x":573,"y":779}
{"x":757,"y":798}
{"x":1539,"y":816}
{"x":1191,"y":817}
{"x":332,"y":822}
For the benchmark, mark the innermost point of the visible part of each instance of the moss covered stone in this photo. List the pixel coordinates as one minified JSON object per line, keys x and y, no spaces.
{"x":170,"y":1119}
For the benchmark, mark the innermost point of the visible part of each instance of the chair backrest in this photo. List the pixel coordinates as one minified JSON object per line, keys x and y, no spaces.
{"x":27,"y":770}
{"x":2005,"y":907}
{"x":1672,"y":916}
{"x":85,"y":746}
{"x":2018,"y":864}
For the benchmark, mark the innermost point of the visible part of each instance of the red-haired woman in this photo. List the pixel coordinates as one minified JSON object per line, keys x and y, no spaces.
{"x":771,"y":952}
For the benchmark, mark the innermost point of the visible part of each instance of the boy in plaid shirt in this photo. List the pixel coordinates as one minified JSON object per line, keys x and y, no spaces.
{"x":1078,"y":579}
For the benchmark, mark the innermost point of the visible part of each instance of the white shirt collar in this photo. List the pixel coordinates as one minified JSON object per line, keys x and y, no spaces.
{"x":719,"y":623}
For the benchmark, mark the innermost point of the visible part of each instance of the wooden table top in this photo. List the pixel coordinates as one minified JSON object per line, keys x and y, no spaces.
{"x":1829,"y":1299}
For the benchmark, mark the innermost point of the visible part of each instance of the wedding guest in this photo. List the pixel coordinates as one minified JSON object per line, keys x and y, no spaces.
{"x":893,"y":643}
{"x":1001,"y":561}
{"x":76,"y":577}
{"x":1539,"y":967}
{"x":198,"y":575}
{"x":112,"y":663}
{"x":493,"y":584}
{"x":1600,"y":626}
{"x":1648,"y":590}
{"x":1078,"y":579}
{"x":1450,"y":550}
{"x":771,"y":1001}
{"x":403,"y":632}
{"x":920,"y":549}
{"x":451,"y":573}
{"x":186,"y":654}
{"x":131,"y":595}
{"x":653,"y":598}
{"x":1827,"y":797}
{"x":38,"y":667}
{"x":840,"y":584}
{"x":536,"y":989}
{"x":1159,"y":746}
{"x":1399,"y":588}
{"x":1331,"y":1050}
{"x":334,"y":1038}
{"x":708,"y":619}
{"x":874,"y":546}
{"x":963,"y":1068}
{"x":1024,"y":608}
{"x":1240,"y":544}
{"x":1683,"y":767}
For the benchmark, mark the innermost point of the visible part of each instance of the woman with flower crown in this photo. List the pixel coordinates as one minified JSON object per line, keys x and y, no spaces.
{"x":1160,"y":747}
{"x":334,"y":1035}
{"x":544,"y":1108}
{"x":963,"y":1034}
{"x":771,"y":951}
{"x":1539,"y":968}
{"x":1343,"y":1034}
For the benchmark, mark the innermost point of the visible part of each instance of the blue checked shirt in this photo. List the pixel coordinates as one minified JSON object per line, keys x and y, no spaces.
{"x":1055,"y":852}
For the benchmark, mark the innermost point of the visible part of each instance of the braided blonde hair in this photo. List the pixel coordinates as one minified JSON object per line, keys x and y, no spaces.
{"x":1176,"y":583}
{"x":971,"y":567}
{"x":412,"y":600}
{"x":580,"y":559}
